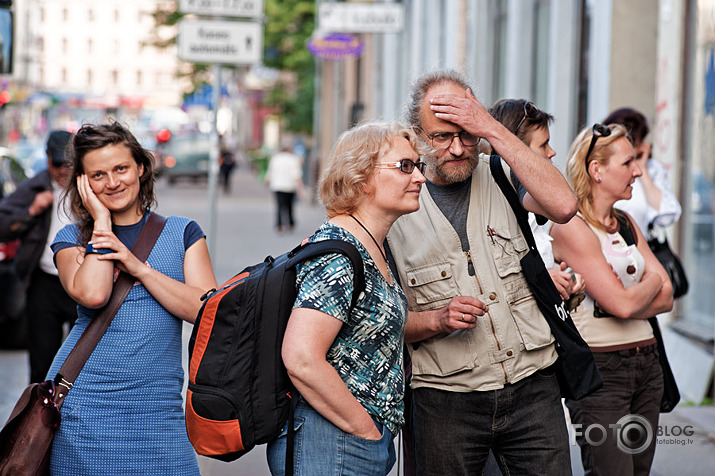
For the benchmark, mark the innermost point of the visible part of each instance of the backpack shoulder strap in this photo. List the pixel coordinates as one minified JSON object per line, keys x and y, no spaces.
{"x":319,"y":248}
{"x":522,"y":216}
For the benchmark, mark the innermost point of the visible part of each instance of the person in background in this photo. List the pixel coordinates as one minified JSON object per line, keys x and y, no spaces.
{"x":531,"y":126}
{"x":652,"y":200}
{"x":227,"y":160}
{"x":285,"y":179}
{"x":124,"y":414}
{"x":482,"y":352}
{"x":625,"y":285}
{"x":347,"y":363}
{"x":32,"y":214}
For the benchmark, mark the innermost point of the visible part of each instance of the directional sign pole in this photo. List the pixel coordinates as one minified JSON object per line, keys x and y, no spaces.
{"x":213,"y":160}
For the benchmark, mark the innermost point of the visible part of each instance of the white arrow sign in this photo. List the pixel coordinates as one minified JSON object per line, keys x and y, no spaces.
{"x":228,"y":8}
{"x":220,"y":42}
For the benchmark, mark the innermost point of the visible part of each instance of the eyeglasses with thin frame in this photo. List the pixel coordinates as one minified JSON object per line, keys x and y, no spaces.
{"x":599,"y":130}
{"x":529,"y":111}
{"x":443,"y":140}
{"x":406,"y":166}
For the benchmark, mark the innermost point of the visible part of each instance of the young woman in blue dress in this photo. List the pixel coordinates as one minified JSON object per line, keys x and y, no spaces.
{"x":124,"y":413}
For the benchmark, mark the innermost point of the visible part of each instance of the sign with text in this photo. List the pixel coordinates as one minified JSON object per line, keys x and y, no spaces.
{"x":220,"y":42}
{"x":361,"y":17}
{"x":227,"y":8}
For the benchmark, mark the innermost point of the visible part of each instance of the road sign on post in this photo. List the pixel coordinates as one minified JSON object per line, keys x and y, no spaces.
{"x":223,"y":42}
{"x":226,"y":8}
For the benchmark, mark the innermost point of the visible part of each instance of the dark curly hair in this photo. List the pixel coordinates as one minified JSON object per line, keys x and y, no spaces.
{"x":634,"y":121}
{"x":91,"y":137}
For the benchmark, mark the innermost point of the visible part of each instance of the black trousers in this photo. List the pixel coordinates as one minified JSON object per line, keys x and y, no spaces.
{"x":285,"y":209}
{"x":48,"y":308}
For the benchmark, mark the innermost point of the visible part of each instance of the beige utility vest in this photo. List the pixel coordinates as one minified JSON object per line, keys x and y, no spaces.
{"x":512,"y":340}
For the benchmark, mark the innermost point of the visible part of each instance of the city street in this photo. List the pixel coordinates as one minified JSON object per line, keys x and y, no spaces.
{"x":245,"y":235}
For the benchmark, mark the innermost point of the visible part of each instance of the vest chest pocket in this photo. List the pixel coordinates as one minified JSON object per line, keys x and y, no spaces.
{"x":507,"y":250}
{"x":431,"y":285}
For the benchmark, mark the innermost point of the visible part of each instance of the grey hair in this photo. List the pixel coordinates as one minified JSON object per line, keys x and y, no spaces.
{"x":420,"y":87}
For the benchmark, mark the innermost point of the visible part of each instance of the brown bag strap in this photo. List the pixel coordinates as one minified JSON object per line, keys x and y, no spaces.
{"x":98,"y":325}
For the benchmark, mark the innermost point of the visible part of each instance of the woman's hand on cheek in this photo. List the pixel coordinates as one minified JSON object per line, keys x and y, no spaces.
{"x":90,"y":200}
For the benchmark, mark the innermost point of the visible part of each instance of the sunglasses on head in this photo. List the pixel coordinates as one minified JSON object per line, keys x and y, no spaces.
{"x":405,"y":165}
{"x":529,"y":111}
{"x":599,"y":130}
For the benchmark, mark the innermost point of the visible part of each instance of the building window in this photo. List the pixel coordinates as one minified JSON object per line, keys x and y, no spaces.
{"x":64,"y":45}
{"x":114,"y":77}
{"x":116,"y":47}
{"x":139,"y":78}
{"x":90,"y":45}
{"x":90,"y":15}
{"x":42,"y":15}
{"x":64,"y":75}
{"x":65,"y":14}
{"x":90,"y":77}
{"x":41,"y":44}
{"x":116,"y":16}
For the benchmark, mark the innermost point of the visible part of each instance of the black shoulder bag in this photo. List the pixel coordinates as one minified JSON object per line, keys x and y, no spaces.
{"x":575,"y":368}
{"x":670,"y":261}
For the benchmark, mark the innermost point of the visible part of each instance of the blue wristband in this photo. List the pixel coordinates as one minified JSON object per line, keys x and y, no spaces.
{"x":100,"y":251}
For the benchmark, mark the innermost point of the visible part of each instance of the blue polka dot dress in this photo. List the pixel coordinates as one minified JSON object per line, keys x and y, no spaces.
{"x":124,"y":414}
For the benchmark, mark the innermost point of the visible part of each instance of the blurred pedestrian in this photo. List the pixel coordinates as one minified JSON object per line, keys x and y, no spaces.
{"x":347,"y":363}
{"x":228,"y":163}
{"x":124,"y":414}
{"x":32,"y":214}
{"x":285,"y":179}
{"x":625,"y":285}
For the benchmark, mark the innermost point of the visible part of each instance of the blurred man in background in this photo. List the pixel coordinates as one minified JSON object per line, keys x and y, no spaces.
{"x":33,"y":214}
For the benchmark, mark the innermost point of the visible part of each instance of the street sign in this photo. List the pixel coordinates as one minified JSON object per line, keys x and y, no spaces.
{"x":361,"y":17}
{"x":226,"y":8}
{"x":220,"y":42}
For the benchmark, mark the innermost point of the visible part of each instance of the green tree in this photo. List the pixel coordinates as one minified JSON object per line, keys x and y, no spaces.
{"x":289,"y":24}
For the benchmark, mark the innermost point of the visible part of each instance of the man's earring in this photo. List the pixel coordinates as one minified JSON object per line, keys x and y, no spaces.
{"x":598,"y":180}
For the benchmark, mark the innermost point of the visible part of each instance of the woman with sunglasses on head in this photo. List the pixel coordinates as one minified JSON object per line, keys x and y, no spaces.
{"x":124,"y":412}
{"x":347,"y":363}
{"x":625,"y":285}
{"x":653,"y":200}
{"x":531,"y":126}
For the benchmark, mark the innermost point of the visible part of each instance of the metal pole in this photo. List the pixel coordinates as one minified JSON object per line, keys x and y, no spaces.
{"x":213,"y":162}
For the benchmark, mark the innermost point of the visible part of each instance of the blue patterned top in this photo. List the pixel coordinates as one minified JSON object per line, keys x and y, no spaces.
{"x":124,"y":415}
{"x":367,"y":352}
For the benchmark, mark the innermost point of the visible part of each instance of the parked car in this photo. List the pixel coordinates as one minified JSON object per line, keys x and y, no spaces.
{"x":13,"y":330}
{"x":185,"y":155}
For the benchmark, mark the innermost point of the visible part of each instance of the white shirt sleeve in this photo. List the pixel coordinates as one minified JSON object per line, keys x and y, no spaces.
{"x":670,"y":210}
